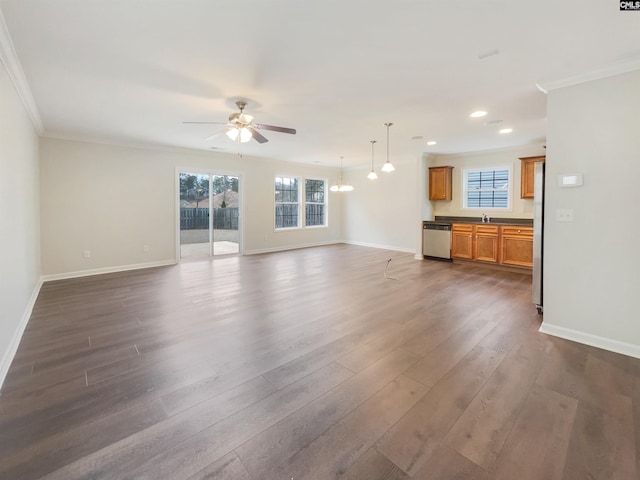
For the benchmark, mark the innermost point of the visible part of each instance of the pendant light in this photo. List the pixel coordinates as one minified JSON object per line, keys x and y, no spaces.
{"x":372,"y":174}
{"x":341,"y":187}
{"x":387,"y":167}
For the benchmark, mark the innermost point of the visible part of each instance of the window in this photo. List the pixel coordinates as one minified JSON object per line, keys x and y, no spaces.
{"x":487,"y":188}
{"x":287,"y":202}
{"x":315,"y":194}
{"x":291,"y":202}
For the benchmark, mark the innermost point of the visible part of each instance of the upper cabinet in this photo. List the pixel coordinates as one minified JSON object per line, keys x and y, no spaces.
{"x":440,"y":183}
{"x":526,"y":175}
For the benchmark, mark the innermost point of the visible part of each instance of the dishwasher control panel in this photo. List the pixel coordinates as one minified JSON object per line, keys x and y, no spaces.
{"x":437,"y":226}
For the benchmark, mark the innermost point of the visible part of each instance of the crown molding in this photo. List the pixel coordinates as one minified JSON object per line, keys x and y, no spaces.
{"x":9,"y":59}
{"x":533,"y":145}
{"x":623,"y":66}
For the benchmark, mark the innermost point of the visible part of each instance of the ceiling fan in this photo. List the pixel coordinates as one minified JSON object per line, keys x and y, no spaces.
{"x":241,"y":126}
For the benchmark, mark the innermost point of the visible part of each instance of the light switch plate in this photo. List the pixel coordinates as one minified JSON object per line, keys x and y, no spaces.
{"x":564,"y":215}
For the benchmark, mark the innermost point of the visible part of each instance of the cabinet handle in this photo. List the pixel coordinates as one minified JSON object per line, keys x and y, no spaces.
{"x":518,"y":231}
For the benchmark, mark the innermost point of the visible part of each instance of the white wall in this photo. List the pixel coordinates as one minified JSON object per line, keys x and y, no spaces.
{"x":426,"y":206}
{"x":112,"y":200}
{"x":591,"y":264}
{"x":384,"y":212}
{"x":521,"y":208}
{"x":19,"y":211}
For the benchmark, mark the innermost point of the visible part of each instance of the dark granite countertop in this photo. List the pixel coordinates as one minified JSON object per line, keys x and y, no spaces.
{"x":527,"y":222}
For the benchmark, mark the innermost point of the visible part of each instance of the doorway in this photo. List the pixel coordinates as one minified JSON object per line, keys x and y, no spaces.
{"x":209,"y":218}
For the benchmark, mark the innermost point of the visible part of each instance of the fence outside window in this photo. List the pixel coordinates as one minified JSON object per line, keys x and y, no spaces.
{"x":198,"y":218}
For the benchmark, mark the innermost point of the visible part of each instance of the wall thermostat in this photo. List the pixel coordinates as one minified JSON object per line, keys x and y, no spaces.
{"x":570,"y":180}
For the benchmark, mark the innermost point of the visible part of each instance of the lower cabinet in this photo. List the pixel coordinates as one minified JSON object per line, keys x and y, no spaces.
{"x":475,"y":242}
{"x":517,"y":246}
{"x":507,"y":245}
{"x":487,"y":240}
{"x":462,"y":240}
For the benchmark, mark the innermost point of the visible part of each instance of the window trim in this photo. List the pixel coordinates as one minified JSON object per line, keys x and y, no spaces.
{"x":302,"y":203}
{"x":510,"y":200}
{"x":325,"y":203}
{"x":299,"y":203}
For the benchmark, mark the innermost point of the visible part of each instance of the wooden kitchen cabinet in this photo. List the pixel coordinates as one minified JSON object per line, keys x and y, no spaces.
{"x":527,"y":173}
{"x":440,"y":183}
{"x":475,"y":242}
{"x":486,"y":242}
{"x":462,"y":240}
{"x":510,"y":245}
{"x":517,"y":246}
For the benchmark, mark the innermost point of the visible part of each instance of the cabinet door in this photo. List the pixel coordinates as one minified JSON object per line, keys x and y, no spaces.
{"x":517,"y":246}
{"x":462,"y":241}
{"x":527,"y":174}
{"x":486,"y":243}
{"x":440,"y":183}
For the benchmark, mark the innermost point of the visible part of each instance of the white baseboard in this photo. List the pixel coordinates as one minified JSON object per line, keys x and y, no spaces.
{"x":258,"y":251}
{"x":604,"y":343}
{"x":7,"y":358}
{"x":383,"y":247}
{"x":100,"y":271}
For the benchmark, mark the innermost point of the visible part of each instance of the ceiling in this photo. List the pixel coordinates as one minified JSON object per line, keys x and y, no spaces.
{"x":130,"y":72}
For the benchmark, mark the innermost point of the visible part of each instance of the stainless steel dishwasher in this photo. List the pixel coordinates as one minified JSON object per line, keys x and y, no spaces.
{"x":436,"y":240}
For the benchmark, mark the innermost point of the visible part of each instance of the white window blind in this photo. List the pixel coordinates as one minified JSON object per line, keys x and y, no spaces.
{"x":487,"y":188}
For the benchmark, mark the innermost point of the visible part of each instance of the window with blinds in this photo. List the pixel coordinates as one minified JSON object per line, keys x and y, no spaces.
{"x":487,"y":188}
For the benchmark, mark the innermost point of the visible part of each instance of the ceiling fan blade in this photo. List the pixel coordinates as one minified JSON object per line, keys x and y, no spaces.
{"x":257,"y":136}
{"x":292,"y":131}
{"x":208,"y":123}
{"x":211,"y":137}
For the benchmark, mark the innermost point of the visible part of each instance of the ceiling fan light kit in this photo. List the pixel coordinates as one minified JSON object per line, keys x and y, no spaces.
{"x":244,"y":134}
{"x":388,"y":167}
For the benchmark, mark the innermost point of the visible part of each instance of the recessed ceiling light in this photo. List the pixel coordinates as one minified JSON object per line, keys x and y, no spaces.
{"x":506,"y":130}
{"x":478,"y":114}
{"x":431,"y":142}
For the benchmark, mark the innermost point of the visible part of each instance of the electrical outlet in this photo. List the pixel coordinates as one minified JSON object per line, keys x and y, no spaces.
{"x":564,"y":215}
{"x":86,"y":254}
{"x":145,"y":248}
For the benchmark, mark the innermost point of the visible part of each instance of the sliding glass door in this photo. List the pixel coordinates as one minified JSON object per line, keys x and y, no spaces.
{"x":225,"y":228}
{"x":209,"y":214}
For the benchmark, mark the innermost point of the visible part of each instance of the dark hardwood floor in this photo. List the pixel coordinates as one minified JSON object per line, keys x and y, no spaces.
{"x":309,"y":364}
